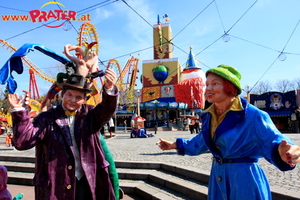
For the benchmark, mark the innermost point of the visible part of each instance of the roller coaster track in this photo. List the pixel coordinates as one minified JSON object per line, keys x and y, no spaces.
{"x":28,"y":62}
{"x":131,"y":69}
{"x":88,"y":33}
{"x":114,"y":64}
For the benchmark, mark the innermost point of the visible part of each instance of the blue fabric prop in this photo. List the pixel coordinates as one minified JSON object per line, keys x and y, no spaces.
{"x":14,"y":63}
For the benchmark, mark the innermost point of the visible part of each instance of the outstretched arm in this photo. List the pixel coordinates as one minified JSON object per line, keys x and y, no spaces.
{"x":289,"y":153}
{"x":166,"y":145}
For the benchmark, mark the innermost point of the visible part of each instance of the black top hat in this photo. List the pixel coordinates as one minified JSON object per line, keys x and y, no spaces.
{"x":75,"y":82}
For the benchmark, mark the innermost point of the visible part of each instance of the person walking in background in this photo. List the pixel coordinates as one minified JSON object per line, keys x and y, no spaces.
{"x":185,"y":123}
{"x":237,"y":134}
{"x":8,"y":139}
{"x":197,"y":126}
{"x":110,"y":125}
{"x":192,"y":125}
{"x":70,"y":162}
{"x":125,"y":125}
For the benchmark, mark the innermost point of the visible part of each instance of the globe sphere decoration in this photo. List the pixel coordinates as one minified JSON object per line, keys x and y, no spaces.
{"x":160,"y":73}
{"x":141,"y":78}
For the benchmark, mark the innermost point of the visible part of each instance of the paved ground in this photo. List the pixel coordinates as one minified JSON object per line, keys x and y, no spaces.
{"x":144,"y":149}
{"x":28,"y":191}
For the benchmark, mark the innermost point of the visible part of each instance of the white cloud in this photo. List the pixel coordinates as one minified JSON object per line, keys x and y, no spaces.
{"x":100,"y":15}
{"x":263,"y":3}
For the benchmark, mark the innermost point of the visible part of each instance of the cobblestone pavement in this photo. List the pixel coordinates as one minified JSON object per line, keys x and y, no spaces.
{"x":125,"y":148}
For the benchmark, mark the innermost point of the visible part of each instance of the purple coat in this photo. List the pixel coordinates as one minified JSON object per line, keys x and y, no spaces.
{"x":55,"y":164}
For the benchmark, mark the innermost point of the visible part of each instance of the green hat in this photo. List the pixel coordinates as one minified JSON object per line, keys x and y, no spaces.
{"x":229,"y":73}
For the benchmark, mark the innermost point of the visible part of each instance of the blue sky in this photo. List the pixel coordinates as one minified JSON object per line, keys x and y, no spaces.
{"x":258,"y":30}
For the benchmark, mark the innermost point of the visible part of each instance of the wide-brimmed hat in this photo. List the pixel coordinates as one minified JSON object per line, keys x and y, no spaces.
{"x":229,"y":73}
{"x":74,"y":82}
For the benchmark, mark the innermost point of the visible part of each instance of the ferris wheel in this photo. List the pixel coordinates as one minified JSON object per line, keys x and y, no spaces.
{"x":88,"y":34}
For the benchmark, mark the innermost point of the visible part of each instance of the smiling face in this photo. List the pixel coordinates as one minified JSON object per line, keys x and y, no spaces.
{"x":214,"y":91}
{"x":73,"y":99}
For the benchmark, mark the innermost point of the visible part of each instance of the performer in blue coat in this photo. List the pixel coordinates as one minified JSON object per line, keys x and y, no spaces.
{"x":237,"y":134}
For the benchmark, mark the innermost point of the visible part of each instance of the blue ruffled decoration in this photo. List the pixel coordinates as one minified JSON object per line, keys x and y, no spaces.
{"x":14,"y":63}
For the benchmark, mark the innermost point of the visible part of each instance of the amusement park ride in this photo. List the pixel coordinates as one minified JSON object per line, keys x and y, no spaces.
{"x":126,"y":77}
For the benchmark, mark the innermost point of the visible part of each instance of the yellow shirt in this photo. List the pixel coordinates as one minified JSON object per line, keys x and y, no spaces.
{"x":215,"y":121}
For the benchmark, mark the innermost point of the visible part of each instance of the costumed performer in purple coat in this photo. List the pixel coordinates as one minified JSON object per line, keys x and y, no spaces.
{"x":237,"y":134}
{"x":70,"y":163}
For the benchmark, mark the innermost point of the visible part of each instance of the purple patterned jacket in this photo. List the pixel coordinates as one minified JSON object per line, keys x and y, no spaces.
{"x":55,"y":165}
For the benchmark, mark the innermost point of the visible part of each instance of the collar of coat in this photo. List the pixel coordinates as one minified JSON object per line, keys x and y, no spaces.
{"x":215,"y":120}
{"x":60,"y":117}
{"x":232,"y":118}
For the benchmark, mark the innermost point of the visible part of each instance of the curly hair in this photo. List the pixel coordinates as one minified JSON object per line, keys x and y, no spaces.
{"x":228,"y":87}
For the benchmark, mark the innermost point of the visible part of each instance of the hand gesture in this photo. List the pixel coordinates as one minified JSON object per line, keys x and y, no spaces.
{"x":15,"y":101}
{"x":81,"y":67}
{"x":289,"y":153}
{"x":166,"y":145}
{"x":110,"y":78}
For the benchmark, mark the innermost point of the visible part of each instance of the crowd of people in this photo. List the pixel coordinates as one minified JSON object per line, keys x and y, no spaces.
{"x":192,"y":124}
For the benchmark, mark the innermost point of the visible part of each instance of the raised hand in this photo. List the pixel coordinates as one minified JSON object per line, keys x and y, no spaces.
{"x":110,"y":78}
{"x":15,"y":101}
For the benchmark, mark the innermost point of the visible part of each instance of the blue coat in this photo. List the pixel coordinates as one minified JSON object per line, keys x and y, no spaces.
{"x":49,"y":133}
{"x":249,"y":133}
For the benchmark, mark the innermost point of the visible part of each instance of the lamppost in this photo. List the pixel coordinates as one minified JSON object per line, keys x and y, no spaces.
{"x":248,"y":93}
{"x":156,"y":121}
{"x":138,"y":92}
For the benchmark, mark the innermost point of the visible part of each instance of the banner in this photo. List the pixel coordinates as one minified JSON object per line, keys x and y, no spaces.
{"x":275,"y":103}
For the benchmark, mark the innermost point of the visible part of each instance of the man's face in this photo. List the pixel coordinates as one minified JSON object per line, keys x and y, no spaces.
{"x":73,"y":99}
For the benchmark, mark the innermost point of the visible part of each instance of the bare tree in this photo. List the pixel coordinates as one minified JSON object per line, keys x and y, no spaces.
{"x":261,"y":87}
{"x":297,"y":83}
{"x":58,"y":67}
{"x":4,"y":105}
{"x":284,"y":85}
